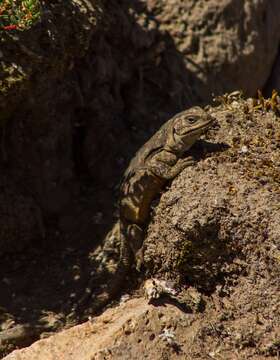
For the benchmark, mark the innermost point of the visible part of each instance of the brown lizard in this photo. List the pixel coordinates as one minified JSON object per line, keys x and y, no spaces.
{"x":159,"y":160}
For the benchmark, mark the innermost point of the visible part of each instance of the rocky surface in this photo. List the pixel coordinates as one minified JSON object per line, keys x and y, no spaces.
{"x":215,"y":235}
{"x":35,"y":129}
{"x":217,"y":228}
{"x":21,"y":217}
{"x":68,"y":102}
{"x":133,"y":328}
{"x":32,"y":59}
{"x":137,"y":330}
{"x":93,"y":76}
{"x":222,"y":43}
{"x":238,"y":184}
{"x":274,"y":79}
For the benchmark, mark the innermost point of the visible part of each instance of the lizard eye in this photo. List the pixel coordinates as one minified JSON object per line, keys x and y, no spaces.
{"x":192,"y":120}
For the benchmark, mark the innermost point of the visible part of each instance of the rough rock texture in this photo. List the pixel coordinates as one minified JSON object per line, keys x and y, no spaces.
{"x":68,"y":92}
{"x":21,"y":217}
{"x":35,"y":128}
{"x":215,"y":229}
{"x":223,"y":43}
{"x":238,"y":183}
{"x":274,"y":79}
{"x":135,"y":330}
{"x":79,"y":94}
{"x":32,"y":59}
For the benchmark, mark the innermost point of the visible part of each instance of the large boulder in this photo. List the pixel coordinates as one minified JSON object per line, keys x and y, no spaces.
{"x":225,"y":44}
{"x":217,"y":228}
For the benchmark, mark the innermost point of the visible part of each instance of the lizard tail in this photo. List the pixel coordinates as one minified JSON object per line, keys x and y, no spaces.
{"x":114,"y":281}
{"x":114,"y":284}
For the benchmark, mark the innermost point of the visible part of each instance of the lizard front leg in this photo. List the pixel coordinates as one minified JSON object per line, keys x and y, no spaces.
{"x":167,"y":165}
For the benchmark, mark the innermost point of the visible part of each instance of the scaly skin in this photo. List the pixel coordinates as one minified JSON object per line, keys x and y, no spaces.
{"x":158,"y":161}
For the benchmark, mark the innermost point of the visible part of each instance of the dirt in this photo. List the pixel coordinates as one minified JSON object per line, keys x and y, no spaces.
{"x":217,"y":229}
{"x":215,"y":236}
{"x":79,"y":94}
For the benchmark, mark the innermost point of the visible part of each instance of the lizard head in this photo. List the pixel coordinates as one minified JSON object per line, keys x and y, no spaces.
{"x":186,"y":127}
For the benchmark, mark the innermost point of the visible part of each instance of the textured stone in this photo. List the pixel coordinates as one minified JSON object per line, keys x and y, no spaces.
{"x":226,"y":45}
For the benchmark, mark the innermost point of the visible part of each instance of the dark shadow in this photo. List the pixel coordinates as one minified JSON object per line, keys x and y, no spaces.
{"x":203,"y":148}
{"x":131,"y":81}
{"x":206,"y":258}
{"x":273,"y":82}
{"x":167,"y":300}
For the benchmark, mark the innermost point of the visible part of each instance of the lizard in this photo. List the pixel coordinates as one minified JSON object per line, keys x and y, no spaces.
{"x":157,"y":162}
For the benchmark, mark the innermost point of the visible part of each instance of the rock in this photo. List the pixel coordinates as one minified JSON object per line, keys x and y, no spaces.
{"x":274,"y":80}
{"x":88,"y":80}
{"x":80,"y":89}
{"x":222,"y":42}
{"x":227,"y":203}
{"x":217,"y":227}
{"x":36,"y":133}
{"x":21,"y":220}
{"x":215,"y":237}
{"x":177,"y":54}
{"x":94,"y":339}
{"x":43,"y":52}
